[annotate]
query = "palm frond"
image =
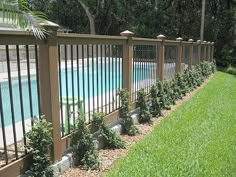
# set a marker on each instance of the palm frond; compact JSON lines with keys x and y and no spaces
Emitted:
{"x":18,"y":13}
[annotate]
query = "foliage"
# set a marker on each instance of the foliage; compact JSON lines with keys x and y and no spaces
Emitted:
{"x":18,"y":13}
{"x":111,"y":138}
{"x":83,"y":147}
{"x":40,"y":137}
{"x":155,"y":101}
{"x":229,"y":70}
{"x":168,"y":92}
{"x":162,"y":96}
{"x":128,"y":122}
{"x":198,"y":132}
{"x":144,"y":114}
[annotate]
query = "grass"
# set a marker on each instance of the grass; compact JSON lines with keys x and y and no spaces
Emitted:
{"x":229,"y":70}
{"x":198,"y":139}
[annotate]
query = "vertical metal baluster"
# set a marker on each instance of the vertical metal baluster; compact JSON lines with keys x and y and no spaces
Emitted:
{"x":3,"y":126}
{"x":67,"y":94}
{"x":113,"y":79}
{"x":136,"y":72}
{"x":101,"y":80}
{"x":148,"y":67}
{"x":60,"y":85}
{"x":11,"y":100}
{"x":97,"y":75}
{"x":78,"y":79}
{"x":72,"y":79}
{"x":120,"y":53}
{"x":20,"y":93}
{"x":88,"y":81}
{"x":37,"y":76}
{"x":109,"y":77}
{"x":29,"y":83}
{"x":93,"y":80}
{"x":133,"y":77}
{"x":116,"y":75}
{"x":143,"y":69}
{"x":138,"y":68}
{"x":105,"y":78}
{"x":83,"y":80}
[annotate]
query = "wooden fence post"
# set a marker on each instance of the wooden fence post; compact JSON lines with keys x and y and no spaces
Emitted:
{"x":209,"y":51}
{"x":199,"y":51}
{"x":48,"y":81}
{"x":161,"y":57}
{"x":212,"y":51}
{"x":127,"y":62}
{"x":190,"y":53}
{"x":178,"y":55}
{"x":205,"y":48}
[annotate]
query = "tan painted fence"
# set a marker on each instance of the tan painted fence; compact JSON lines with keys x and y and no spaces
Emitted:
{"x":71,"y":73}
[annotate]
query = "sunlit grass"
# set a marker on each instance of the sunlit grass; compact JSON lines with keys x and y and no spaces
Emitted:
{"x":198,"y":139}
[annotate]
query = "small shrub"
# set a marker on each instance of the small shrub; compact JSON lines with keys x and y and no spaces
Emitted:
{"x":213,"y":67}
{"x":144,"y":114}
{"x":161,"y":95}
{"x":40,"y":137}
{"x":176,"y":94}
{"x":168,"y":90}
{"x":155,"y":102}
{"x":181,"y":84}
{"x":199,"y":78}
{"x":110,"y":137}
{"x":83,"y":148}
{"x":128,"y":122}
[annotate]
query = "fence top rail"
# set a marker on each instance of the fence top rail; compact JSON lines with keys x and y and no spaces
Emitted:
{"x":9,"y":37}
{"x":71,"y":38}
{"x":16,"y":32}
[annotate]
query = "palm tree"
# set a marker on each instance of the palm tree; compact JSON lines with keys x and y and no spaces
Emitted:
{"x":18,"y":13}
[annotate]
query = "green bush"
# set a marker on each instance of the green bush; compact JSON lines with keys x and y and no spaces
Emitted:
{"x":128,"y":122}
{"x":83,"y":147}
{"x":111,"y":138}
{"x":144,"y":114}
{"x":40,"y":138}
{"x":155,"y":102}
{"x":181,"y":84}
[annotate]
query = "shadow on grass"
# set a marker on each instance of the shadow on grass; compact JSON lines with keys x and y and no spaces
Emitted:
{"x":229,"y":70}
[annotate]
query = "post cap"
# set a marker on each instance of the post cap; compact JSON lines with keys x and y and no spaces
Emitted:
{"x":179,"y":39}
{"x":50,"y":25}
{"x":204,"y":42}
{"x":199,"y":41}
{"x":212,"y":43}
{"x":190,"y":40}
{"x":126,"y":33}
{"x":209,"y":42}
{"x":161,"y":37}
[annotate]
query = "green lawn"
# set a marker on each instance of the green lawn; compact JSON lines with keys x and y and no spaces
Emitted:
{"x":198,"y":139}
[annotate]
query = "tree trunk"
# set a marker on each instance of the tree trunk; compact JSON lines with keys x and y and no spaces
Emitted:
{"x":203,"y":19}
{"x":90,"y":16}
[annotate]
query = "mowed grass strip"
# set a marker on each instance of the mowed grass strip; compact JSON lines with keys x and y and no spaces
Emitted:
{"x":198,"y":139}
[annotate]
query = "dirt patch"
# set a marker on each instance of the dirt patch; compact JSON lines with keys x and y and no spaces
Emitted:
{"x":109,"y":156}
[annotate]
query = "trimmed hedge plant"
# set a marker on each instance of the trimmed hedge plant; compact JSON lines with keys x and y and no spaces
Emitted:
{"x":83,"y":147}
{"x":40,"y":138}
{"x":112,"y":140}
{"x":128,"y":122}
{"x":144,"y":115}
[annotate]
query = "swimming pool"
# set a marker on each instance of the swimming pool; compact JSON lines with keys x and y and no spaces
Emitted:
{"x":87,"y":82}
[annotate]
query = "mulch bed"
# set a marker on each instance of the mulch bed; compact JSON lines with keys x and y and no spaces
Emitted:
{"x":109,"y":156}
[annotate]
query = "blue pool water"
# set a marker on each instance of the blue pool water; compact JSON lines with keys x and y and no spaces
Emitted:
{"x":93,"y":76}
